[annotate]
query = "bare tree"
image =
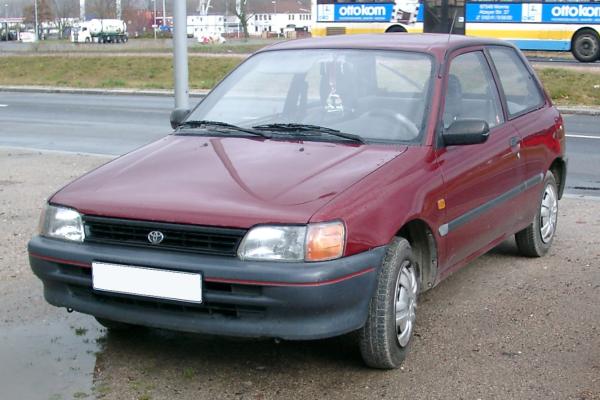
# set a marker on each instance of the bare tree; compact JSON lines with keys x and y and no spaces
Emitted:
{"x":240,"y":10}
{"x":44,"y":12}
{"x":101,"y":8}
{"x":63,"y":10}
{"x":204,"y":6}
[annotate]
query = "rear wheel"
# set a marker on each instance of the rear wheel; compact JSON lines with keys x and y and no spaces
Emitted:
{"x":586,"y":46}
{"x":536,"y":239}
{"x":387,"y":334}
{"x":395,"y":29}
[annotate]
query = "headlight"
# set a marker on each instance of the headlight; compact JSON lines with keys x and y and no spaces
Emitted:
{"x":62,"y":223}
{"x":314,"y":242}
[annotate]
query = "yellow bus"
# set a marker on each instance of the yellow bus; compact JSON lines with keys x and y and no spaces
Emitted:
{"x":532,"y":25}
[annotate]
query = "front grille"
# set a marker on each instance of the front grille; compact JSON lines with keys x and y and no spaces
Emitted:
{"x":180,"y":237}
{"x":143,"y":303}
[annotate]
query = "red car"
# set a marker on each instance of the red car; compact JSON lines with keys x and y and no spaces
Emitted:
{"x":316,"y":191}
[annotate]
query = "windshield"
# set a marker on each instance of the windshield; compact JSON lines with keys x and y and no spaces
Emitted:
{"x":377,"y":95}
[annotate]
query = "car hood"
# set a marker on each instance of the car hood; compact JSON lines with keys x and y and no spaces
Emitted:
{"x":236,"y":182}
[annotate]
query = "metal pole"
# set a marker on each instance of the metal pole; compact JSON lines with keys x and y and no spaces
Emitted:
{"x":119,"y":9}
{"x":180,"y":57}
{"x":37,"y":29}
{"x":154,"y":23}
{"x":6,"y":18}
{"x":164,"y":18}
{"x":82,"y":10}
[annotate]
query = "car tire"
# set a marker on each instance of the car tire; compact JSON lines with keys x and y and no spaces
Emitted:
{"x":115,"y":325}
{"x":536,"y":239}
{"x":383,"y":341}
{"x":586,"y":46}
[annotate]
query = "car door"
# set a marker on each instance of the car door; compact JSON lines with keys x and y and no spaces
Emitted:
{"x":536,"y":123}
{"x":480,"y":179}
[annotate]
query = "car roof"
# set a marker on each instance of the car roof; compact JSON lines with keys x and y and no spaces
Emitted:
{"x":435,"y":43}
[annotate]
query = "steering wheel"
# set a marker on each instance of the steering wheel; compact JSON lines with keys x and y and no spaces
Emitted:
{"x":397,"y":118}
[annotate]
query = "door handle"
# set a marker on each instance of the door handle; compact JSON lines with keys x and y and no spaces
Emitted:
{"x":515,"y":141}
{"x":515,"y":145}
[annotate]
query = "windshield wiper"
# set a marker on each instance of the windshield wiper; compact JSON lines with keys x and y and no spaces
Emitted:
{"x":300,"y":128}
{"x":223,"y":125}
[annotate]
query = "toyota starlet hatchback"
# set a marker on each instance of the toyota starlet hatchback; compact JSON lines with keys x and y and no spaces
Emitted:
{"x":316,"y":191}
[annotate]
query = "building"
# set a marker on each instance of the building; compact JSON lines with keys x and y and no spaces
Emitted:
{"x":198,"y":25}
{"x":267,"y":18}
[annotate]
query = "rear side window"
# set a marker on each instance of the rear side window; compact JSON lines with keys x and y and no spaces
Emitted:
{"x":521,"y":91}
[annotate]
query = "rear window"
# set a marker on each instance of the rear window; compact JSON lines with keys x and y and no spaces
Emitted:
{"x":521,"y":91}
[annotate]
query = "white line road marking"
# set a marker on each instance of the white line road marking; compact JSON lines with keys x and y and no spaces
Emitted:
{"x":583,"y":136}
{"x":50,"y":151}
{"x":3,"y":105}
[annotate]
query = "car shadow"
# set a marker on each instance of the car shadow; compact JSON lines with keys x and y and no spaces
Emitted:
{"x":234,"y":366}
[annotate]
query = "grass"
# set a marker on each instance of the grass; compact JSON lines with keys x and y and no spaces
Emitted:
{"x":110,"y":72}
{"x":566,"y":86}
{"x":241,"y":48}
{"x":233,"y":46}
{"x":570,"y":87}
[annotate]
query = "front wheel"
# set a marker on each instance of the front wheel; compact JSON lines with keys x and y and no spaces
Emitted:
{"x":386,"y":336}
{"x":536,"y":239}
{"x":586,"y":46}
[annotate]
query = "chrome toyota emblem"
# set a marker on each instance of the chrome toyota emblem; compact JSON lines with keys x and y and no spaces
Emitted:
{"x":155,"y":237}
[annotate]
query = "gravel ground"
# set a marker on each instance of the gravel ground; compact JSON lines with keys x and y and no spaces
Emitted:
{"x":503,"y":327}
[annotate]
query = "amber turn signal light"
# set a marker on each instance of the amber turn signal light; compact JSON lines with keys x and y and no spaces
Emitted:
{"x":325,"y":241}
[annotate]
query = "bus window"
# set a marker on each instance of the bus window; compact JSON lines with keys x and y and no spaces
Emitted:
{"x":441,"y":15}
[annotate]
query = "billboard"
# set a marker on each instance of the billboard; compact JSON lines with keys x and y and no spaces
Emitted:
{"x":355,"y":12}
{"x":561,"y":13}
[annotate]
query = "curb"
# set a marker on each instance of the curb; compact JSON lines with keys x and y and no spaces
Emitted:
{"x":579,"y":110}
{"x":122,"y":92}
{"x":576,"y":110}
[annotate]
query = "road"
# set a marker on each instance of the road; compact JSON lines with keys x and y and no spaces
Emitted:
{"x":504,"y":327}
{"x":116,"y":124}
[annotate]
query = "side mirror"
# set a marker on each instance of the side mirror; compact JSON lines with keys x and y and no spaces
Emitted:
{"x":466,"y":131}
{"x":178,"y":115}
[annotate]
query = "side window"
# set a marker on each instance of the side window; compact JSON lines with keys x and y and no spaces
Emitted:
{"x":520,"y":89}
{"x":471,"y":91}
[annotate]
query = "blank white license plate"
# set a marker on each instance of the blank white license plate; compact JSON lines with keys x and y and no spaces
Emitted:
{"x":149,"y":282}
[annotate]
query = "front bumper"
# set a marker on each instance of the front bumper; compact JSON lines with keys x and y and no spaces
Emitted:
{"x":291,"y":301}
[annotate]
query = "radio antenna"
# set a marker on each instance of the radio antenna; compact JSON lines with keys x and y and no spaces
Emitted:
{"x":452,"y":25}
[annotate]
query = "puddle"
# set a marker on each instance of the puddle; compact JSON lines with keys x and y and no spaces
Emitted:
{"x":49,"y":359}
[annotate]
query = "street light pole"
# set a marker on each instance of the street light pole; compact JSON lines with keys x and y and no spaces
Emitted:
{"x":6,"y":18}
{"x":37,"y":29}
{"x":119,"y":9}
{"x":154,"y":22}
{"x":180,"y":57}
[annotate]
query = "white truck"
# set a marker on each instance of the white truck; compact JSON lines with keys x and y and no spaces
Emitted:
{"x":100,"y":31}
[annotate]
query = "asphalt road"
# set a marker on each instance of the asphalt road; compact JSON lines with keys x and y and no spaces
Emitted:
{"x":116,"y":124}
